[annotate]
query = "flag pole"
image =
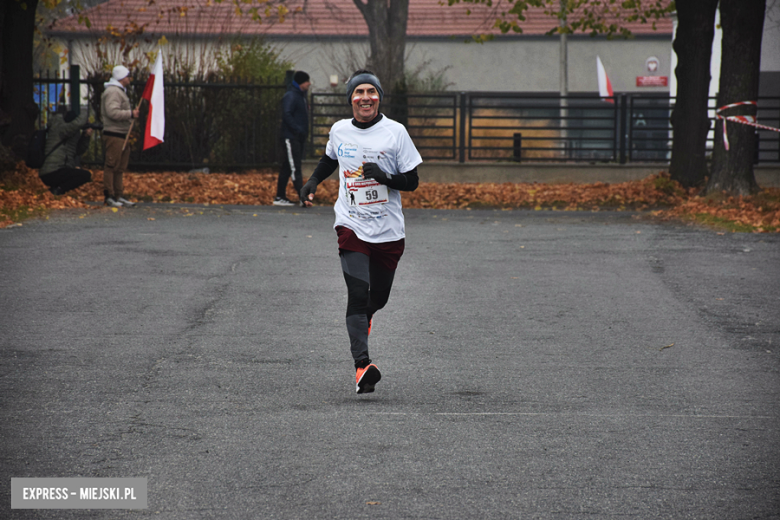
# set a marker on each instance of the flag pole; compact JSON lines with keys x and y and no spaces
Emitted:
{"x":124,"y":145}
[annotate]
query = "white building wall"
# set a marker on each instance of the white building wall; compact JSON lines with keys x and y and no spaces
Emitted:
{"x":521,"y":65}
{"x":770,"y":43}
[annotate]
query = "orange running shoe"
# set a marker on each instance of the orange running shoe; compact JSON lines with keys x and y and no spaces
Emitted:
{"x":370,"y":322}
{"x":366,"y":378}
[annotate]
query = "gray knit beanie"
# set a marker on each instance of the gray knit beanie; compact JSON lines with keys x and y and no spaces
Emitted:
{"x":359,"y":79}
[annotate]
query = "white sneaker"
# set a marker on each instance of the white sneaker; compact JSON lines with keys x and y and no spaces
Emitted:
{"x":125,"y":202}
{"x":111,"y":203}
{"x":278,"y":201}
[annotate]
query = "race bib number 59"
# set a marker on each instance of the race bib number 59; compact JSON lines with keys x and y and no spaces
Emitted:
{"x":364,"y":192}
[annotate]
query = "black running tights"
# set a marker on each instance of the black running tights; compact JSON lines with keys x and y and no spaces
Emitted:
{"x":368,"y":288}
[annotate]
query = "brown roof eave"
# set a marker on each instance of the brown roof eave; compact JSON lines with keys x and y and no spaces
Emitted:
{"x":529,"y":37}
{"x":73,"y":35}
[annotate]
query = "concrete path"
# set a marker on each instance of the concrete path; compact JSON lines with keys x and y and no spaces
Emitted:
{"x":535,"y":365}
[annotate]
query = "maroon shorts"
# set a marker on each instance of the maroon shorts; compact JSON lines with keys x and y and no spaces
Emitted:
{"x":385,"y":254}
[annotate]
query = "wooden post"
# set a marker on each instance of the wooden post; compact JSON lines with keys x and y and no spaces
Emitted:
{"x":124,"y":145}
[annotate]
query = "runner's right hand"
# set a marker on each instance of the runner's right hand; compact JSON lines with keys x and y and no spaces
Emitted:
{"x":308,"y":191}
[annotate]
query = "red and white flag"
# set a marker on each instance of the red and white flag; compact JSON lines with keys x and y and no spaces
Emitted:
{"x":605,"y":87}
{"x":153,"y":92}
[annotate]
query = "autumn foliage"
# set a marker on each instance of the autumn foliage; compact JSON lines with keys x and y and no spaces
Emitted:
{"x":23,"y":194}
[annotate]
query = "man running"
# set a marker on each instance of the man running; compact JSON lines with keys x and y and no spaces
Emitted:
{"x":376,"y":160}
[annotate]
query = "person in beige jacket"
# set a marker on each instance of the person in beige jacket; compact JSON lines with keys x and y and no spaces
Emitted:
{"x":117,"y":115}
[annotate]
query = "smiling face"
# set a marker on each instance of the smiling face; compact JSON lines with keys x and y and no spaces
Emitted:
{"x":365,"y":102}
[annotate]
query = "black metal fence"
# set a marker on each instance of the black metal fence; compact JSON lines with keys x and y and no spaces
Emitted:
{"x":207,"y":125}
{"x":235,"y":125}
{"x":431,"y":120}
{"x":477,"y":126}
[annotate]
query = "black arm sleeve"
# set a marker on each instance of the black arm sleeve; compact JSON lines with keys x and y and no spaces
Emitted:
{"x":324,"y":168}
{"x":407,"y":181}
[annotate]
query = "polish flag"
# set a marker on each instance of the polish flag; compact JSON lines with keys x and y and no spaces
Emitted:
{"x":153,"y":92}
{"x":605,"y":87}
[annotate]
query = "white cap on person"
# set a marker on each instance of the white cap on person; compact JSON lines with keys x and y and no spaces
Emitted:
{"x":120,"y":72}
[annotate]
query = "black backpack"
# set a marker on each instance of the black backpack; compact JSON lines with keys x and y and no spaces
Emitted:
{"x":36,"y":150}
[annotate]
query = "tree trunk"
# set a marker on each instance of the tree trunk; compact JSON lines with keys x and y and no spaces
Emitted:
{"x":743,"y":23}
{"x":693,"y":46}
{"x":17,"y":106}
{"x":386,"y":20}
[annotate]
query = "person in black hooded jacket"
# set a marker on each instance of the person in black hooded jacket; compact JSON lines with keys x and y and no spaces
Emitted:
{"x":295,"y":130}
{"x":66,"y":141}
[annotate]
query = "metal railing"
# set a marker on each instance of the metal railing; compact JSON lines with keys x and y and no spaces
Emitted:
{"x":216,"y":125}
{"x":430,"y":119}
{"x":235,"y":125}
{"x":524,"y":127}
{"x":510,"y":126}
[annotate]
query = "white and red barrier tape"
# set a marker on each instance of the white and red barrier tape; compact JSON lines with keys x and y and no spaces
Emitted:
{"x":744,"y":120}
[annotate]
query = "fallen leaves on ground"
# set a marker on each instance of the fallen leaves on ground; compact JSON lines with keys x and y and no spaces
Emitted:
{"x":569,"y":197}
{"x":756,"y":214}
{"x":22,"y":194}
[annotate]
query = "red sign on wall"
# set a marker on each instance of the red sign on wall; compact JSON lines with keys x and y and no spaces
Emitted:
{"x":652,"y":81}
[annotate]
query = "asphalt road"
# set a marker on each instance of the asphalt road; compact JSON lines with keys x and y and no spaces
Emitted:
{"x":542,"y":365}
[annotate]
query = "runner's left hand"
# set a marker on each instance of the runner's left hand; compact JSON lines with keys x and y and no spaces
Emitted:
{"x":373,"y":171}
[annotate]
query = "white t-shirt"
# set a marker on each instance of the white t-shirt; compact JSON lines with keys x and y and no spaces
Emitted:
{"x":372,"y":210}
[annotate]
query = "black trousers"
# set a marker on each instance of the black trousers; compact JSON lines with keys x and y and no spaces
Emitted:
{"x":66,"y":179}
{"x":292,"y":154}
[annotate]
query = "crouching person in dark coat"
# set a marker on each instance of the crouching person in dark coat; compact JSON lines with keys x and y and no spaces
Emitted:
{"x":65,"y":142}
